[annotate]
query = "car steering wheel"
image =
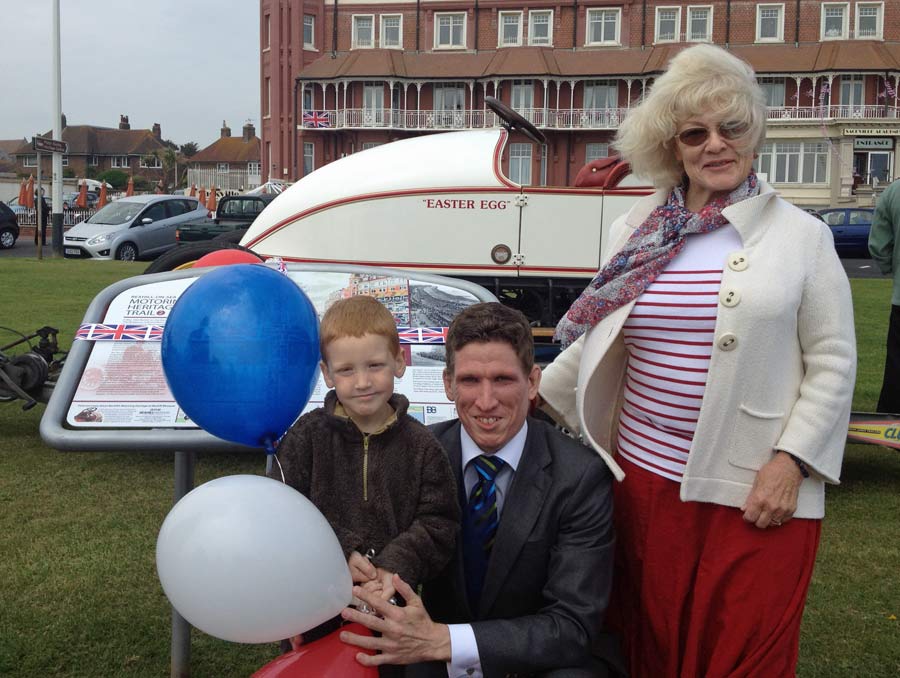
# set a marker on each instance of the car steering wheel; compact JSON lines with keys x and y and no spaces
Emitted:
{"x":515,"y":121}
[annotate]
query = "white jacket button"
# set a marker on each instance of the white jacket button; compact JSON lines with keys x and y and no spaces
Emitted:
{"x":737,"y":262}
{"x":729,"y":297}
{"x":727,"y":342}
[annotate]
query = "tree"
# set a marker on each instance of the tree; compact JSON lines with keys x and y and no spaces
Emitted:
{"x":169,"y":162}
{"x":189,"y":149}
{"x":115,"y":178}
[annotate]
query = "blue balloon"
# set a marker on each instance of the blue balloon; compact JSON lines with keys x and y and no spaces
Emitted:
{"x":240,"y":352}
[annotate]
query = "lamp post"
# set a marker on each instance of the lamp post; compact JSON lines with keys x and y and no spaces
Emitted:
{"x":57,"y":173}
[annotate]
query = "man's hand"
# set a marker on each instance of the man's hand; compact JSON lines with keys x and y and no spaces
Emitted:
{"x":773,"y":497}
{"x":361,"y":569}
{"x":387,"y":583}
{"x":408,"y":635}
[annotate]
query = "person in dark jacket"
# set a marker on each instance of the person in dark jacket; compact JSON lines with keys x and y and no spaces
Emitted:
{"x":378,"y":475}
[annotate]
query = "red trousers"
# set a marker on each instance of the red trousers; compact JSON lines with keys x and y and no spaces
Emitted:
{"x":698,"y":592}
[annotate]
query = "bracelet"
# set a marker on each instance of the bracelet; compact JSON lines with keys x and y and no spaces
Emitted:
{"x":804,"y":471}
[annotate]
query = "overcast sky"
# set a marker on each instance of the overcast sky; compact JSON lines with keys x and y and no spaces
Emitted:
{"x":186,"y":64}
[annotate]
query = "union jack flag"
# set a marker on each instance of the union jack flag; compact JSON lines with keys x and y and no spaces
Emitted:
{"x":98,"y":332}
{"x":316,"y":119}
{"x":422,"y":335}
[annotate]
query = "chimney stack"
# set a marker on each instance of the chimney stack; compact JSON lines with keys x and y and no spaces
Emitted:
{"x":249,"y":131}
{"x":123,"y":122}
{"x":225,"y":131}
{"x":157,"y":130}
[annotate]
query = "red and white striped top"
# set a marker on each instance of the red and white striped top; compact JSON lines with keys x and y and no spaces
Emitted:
{"x":669,"y":336}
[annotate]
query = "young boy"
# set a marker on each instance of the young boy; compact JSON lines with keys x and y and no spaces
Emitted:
{"x":378,"y":476}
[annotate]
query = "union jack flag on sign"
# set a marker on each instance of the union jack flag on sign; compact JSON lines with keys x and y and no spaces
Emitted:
{"x":316,"y":119}
{"x":422,"y":335}
{"x":98,"y":332}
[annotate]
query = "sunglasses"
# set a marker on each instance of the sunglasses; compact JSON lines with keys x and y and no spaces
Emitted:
{"x":694,"y":136}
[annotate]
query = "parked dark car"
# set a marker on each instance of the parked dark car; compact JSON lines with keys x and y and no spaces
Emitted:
{"x":850,"y":227}
{"x":9,"y":227}
{"x":69,"y":200}
{"x":234,"y":215}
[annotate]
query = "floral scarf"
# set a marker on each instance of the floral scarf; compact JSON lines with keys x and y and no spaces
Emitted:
{"x":646,"y":254}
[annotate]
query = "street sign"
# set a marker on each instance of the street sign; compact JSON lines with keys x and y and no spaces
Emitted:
{"x":45,"y":145}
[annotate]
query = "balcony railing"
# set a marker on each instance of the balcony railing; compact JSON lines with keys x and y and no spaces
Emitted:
{"x":233,"y":180}
{"x":547,"y":118}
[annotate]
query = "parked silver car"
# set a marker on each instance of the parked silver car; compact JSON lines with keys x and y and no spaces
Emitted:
{"x":131,"y":228}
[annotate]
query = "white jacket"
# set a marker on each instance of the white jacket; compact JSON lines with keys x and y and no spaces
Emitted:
{"x":782,"y":369}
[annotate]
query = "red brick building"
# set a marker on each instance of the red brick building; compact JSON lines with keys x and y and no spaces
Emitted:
{"x":137,"y":152}
{"x":336,"y":82}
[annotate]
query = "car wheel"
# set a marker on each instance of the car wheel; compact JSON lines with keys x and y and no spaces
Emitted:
{"x":184,"y":256}
{"x":7,"y":238}
{"x":127,"y":252}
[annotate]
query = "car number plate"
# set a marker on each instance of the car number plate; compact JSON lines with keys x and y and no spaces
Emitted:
{"x":73,"y":250}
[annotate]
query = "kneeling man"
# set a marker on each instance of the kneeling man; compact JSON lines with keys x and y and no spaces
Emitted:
{"x":527,"y":588}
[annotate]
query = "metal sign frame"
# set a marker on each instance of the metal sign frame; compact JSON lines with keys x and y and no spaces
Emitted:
{"x":183,"y":442}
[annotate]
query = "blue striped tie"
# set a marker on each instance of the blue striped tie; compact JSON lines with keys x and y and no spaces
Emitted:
{"x":480,"y":524}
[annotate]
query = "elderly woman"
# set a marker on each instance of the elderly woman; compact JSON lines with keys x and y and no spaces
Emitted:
{"x":711,"y":364}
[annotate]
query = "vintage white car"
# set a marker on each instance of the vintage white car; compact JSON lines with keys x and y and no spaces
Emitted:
{"x":441,"y":204}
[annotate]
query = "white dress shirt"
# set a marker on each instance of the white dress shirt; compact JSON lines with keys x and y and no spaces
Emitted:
{"x":464,"y":660}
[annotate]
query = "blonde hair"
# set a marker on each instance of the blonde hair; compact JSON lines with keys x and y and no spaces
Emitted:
{"x":355,"y":317}
{"x":698,"y":80}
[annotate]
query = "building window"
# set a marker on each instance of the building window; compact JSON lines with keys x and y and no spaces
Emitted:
{"x":93,"y":160}
{"x":522,"y":95}
{"x":373,"y":103}
{"x":510,"y":29}
{"x":309,"y":157}
{"x":449,"y":30}
{"x":539,"y":27}
{"x":267,"y":99}
{"x":868,"y":20}
{"x":603,"y":26}
{"x":794,"y":162}
{"x":370,"y":144}
{"x":30,"y":161}
{"x":769,"y":23}
{"x":119,"y":161}
{"x":852,"y":91}
{"x":520,"y":163}
{"x":150,"y":162}
{"x":668,"y":21}
{"x":307,"y":97}
{"x":254,"y":168}
{"x":65,"y":161}
{"x":595,"y":151}
{"x":449,"y":103}
{"x":363,"y":32}
{"x":222,"y":167}
{"x":267,"y":32}
{"x":700,"y":24}
{"x":599,"y":94}
{"x":773,"y":88}
{"x":391,"y":30}
{"x":309,"y":31}
{"x":834,"y":21}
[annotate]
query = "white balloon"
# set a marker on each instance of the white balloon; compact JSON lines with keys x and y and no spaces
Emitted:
{"x":251,"y":560}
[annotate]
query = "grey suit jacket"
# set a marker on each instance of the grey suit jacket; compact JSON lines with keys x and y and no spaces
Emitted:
{"x":549,"y":576}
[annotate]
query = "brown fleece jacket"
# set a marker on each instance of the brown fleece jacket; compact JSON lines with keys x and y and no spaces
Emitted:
{"x":392,"y":491}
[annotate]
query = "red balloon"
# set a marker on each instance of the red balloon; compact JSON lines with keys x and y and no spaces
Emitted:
{"x":327,"y":656}
{"x":224,"y":257}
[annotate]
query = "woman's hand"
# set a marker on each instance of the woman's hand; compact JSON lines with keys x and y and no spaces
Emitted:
{"x":773,"y":497}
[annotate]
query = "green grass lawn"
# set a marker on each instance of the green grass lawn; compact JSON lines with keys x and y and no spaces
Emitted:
{"x":79,"y":595}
